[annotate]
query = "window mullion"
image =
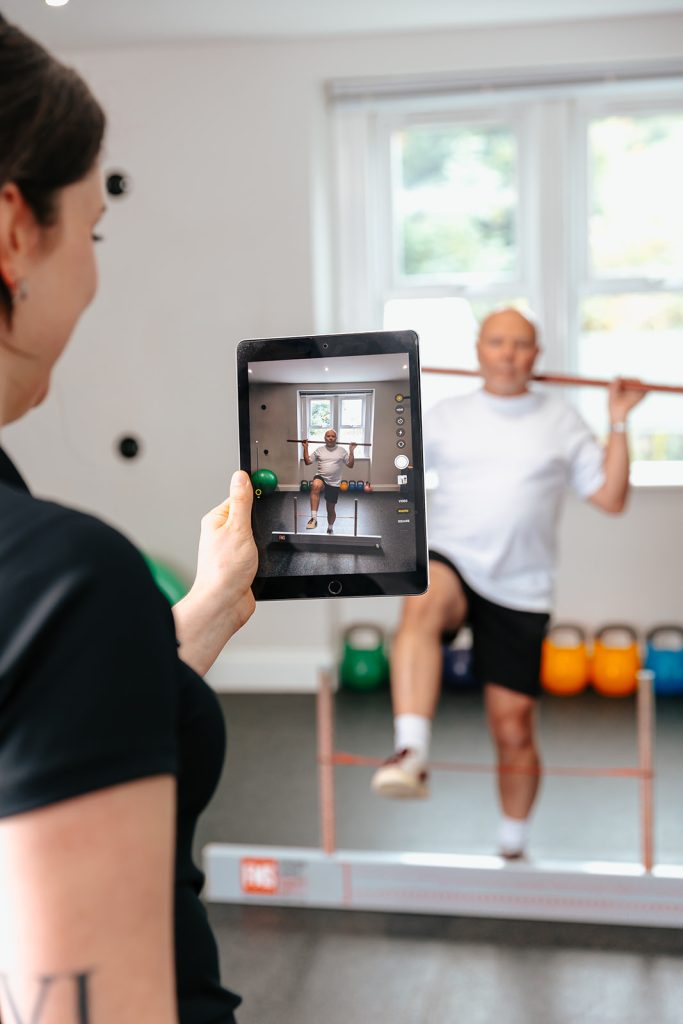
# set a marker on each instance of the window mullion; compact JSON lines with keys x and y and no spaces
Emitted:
{"x":554,"y":264}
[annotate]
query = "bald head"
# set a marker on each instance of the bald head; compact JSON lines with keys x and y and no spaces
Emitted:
{"x":508,"y":316}
{"x":507,"y":349}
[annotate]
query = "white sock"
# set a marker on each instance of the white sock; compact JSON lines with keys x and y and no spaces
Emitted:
{"x":513,"y":834}
{"x":413,"y":731}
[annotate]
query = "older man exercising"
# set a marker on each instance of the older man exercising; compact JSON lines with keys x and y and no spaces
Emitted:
{"x":330,"y":460}
{"x":505,"y":456}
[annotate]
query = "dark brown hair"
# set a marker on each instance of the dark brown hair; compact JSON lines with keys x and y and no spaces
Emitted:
{"x":51,"y":128}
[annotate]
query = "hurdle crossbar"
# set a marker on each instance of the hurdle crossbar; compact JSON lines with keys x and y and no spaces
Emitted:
{"x":598,"y":892}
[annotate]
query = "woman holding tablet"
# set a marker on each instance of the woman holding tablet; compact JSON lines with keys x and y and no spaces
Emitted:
{"x":110,"y":742}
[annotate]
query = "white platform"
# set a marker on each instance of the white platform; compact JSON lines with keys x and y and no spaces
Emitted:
{"x":595,"y":892}
{"x":269,"y":669}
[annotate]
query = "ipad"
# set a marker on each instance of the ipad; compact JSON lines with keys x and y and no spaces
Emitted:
{"x":331,"y":433}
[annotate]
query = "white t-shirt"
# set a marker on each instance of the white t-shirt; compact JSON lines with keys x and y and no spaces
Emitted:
{"x":504,"y":465}
{"x":329,"y":463}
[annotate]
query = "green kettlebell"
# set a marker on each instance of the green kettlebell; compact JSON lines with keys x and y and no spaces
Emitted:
{"x":364,"y":664}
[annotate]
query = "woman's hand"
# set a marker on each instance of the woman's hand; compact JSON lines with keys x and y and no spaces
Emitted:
{"x":220,"y":601}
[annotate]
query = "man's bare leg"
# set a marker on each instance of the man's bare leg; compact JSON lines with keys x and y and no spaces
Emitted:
{"x":416,"y":664}
{"x":317,"y":487}
{"x":331,"y":515}
{"x":511,"y":718}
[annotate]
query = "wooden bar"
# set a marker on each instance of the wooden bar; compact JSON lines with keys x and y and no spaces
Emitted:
{"x":646,"y":720}
{"x":325,"y":716}
{"x":358,"y":444}
{"x":568,"y":380}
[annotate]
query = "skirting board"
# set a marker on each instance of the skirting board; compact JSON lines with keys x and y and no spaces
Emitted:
{"x":269,"y":670}
{"x":420,"y":883}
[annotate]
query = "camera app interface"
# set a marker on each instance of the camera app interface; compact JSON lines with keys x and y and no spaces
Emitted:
{"x":332,"y":465}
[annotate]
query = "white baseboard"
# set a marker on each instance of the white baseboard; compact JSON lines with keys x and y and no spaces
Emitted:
{"x":275,"y":670}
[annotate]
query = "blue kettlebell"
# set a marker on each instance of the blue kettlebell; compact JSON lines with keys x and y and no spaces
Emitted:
{"x":664,"y":657}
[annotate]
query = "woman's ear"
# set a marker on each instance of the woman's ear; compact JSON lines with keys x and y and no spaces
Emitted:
{"x":18,"y":234}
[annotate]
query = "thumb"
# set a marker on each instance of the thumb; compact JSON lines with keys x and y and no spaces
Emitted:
{"x":237,"y":507}
{"x":240,"y":500}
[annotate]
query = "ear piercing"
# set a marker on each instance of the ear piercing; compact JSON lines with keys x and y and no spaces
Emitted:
{"x":20,"y":292}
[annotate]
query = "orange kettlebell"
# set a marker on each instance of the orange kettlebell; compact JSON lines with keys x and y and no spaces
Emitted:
{"x":564,"y":661}
{"x":616,"y":660}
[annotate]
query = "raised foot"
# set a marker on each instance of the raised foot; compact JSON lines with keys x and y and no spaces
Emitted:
{"x":402,"y":776}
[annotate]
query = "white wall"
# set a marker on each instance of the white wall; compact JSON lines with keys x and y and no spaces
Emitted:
{"x":226,"y":235}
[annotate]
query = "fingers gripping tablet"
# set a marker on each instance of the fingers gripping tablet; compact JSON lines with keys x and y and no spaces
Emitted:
{"x":331,"y":434}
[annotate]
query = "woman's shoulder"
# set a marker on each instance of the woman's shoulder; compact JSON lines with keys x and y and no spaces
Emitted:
{"x":45,"y":535}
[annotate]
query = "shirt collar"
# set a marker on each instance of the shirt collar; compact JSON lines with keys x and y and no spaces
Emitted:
{"x":9,"y":474}
{"x":511,"y":405}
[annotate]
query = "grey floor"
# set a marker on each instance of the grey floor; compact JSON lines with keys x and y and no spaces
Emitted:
{"x":323,"y":967}
{"x":377,"y":515}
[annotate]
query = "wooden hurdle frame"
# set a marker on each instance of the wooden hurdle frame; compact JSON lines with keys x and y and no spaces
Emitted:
{"x":643,"y":893}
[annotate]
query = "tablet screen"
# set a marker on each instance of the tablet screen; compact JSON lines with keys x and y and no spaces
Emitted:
{"x":330,"y":431}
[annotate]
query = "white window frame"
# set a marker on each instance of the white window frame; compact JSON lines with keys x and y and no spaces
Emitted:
{"x":593,"y":284}
{"x":305,"y":396}
{"x":551,"y":122}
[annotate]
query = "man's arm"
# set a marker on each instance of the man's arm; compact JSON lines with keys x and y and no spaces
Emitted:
{"x":611,"y":497}
{"x":349,"y":460}
{"x":307,"y":458}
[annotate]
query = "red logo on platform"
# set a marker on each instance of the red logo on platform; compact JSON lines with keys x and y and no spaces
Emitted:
{"x":259,"y":875}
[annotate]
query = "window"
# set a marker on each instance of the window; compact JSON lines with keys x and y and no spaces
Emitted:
{"x":347,"y":412}
{"x":561,"y":199}
{"x":631,"y":302}
{"x":455,"y":202}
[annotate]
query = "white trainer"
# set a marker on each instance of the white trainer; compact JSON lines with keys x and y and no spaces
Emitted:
{"x":312,"y":523}
{"x":402,"y":776}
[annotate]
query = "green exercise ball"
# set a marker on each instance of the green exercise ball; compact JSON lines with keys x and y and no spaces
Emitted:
{"x":170,"y":585}
{"x":264,"y":481}
{"x":364,"y":664}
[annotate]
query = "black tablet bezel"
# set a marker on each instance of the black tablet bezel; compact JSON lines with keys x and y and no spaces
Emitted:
{"x":319,"y":347}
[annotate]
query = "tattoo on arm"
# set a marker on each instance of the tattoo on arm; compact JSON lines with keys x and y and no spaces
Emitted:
{"x":45,"y":983}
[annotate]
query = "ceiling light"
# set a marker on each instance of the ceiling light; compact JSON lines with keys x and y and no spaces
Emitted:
{"x":56,"y":3}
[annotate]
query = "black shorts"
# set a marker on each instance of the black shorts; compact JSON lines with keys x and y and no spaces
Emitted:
{"x":506,"y":642}
{"x":331,"y":492}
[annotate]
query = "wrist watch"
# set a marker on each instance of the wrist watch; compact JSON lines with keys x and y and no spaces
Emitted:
{"x":618,"y":427}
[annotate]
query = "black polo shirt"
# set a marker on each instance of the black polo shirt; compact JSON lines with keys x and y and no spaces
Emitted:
{"x":93,"y":693}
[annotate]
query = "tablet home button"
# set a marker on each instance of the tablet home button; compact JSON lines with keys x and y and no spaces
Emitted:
{"x":334,"y":587}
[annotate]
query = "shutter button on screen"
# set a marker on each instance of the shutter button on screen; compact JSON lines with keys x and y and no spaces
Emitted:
{"x":334,"y":587}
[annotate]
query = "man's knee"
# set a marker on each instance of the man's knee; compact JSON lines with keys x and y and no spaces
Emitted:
{"x":420,"y":614}
{"x":317,"y":486}
{"x":513,"y":732}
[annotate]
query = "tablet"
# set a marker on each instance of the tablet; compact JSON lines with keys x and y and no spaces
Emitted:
{"x":342,"y":515}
